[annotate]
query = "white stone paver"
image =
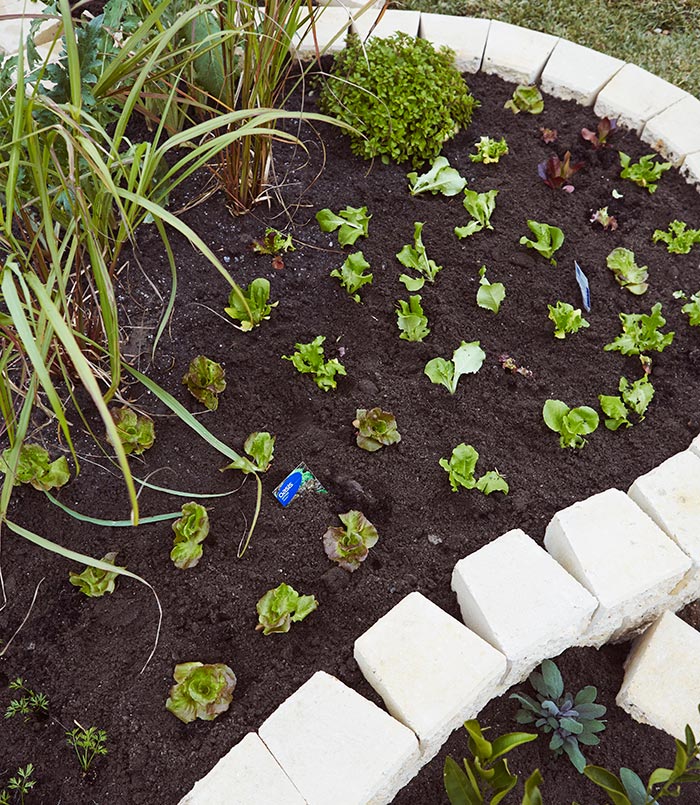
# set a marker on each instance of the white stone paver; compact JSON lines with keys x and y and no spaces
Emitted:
{"x":695,"y":444}
{"x":337,"y":747}
{"x":247,"y":775}
{"x":515,"y":595}
{"x":621,"y":556}
{"x":691,"y":170}
{"x":465,"y":35}
{"x":516,"y":54}
{"x":391,"y":22}
{"x":662,"y":681}
{"x":14,"y":31}
{"x":577,"y":73}
{"x":675,"y":132}
{"x":634,"y":95}
{"x":431,"y":671}
{"x":331,"y":25}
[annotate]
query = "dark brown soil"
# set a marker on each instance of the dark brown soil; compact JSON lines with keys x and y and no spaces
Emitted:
{"x":86,"y":654}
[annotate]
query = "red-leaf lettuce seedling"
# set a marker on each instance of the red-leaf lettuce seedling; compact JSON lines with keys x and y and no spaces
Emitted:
{"x":191,"y":529}
{"x":35,"y":468}
{"x":556,"y":173}
{"x":349,"y":544}
{"x":572,"y":424}
{"x":201,"y":691}
{"x":441,"y":178}
{"x":467,"y":359}
{"x":351,"y":223}
{"x":310,"y":359}
{"x":602,"y":216}
{"x":411,"y":320}
{"x":525,"y":99}
{"x":257,"y":296}
{"x":599,"y":138}
{"x":352,"y":274}
{"x":375,"y":429}
{"x":205,"y":381}
{"x":274,"y":243}
{"x":136,"y":431}
{"x":678,"y":239}
{"x":489,"y":150}
{"x":460,"y":469}
{"x":415,"y":257}
{"x":548,"y":135}
{"x":490,"y":294}
{"x":566,"y":319}
{"x":282,"y":606}
{"x":549,"y":239}
{"x":645,"y":173}
{"x":641,"y":334}
{"x":480,"y":206}
{"x":627,"y":273}
{"x":94,"y":582}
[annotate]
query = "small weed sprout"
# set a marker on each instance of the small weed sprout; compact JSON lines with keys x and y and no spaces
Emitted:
{"x":30,"y":703}
{"x":22,"y":783}
{"x":88,"y":744}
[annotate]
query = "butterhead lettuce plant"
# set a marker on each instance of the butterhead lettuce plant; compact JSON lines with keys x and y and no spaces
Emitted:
{"x":349,"y":544}
{"x":256,"y":296}
{"x":411,"y":320}
{"x":375,"y":429}
{"x":95,"y":582}
{"x":34,"y":467}
{"x":136,"y":431}
{"x":525,"y":99}
{"x":201,"y":691}
{"x":191,"y":529}
{"x":281,"y":607}
{"x":205,"y":381}
{"x":310,"y":359}
{"x":627,"y":273}
{"x":572,"y":424}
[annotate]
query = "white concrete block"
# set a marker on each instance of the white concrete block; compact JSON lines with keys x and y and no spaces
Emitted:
{"x":577,"y":73}
{"x":662,"y":682}
{"x":517,"y":597}
{"x":675,"y":132}
{"x":695,"y":444}
{"x":516,"y":54}
{"x":391,"y":22}
{"x":634,"y":95}
{"x":331,"y":26}
{"x":621,"y":556}
{"x":13,"y":31}
{"x":431,"y":671}
{"x":465,"y":35}
{"x":247,"y":775}
{"x":691,"y":170}
{"x":337,"y":747}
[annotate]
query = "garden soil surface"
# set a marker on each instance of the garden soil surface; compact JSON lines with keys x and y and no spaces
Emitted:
{"x":86,"y":654}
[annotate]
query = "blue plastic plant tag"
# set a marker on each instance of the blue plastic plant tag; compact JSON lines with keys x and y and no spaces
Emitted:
{"x":299,"y":480}
{"x":582,"y":280}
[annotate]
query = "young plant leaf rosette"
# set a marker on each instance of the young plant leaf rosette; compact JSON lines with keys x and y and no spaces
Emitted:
{"x":191,"y":529}
{"x":251,"y":306}
{"x":467,"y":359}
{"x":310,"y":359}
{"x":281,"y":607}
{"x":349,"y":544}
{"x":572,"y":424}
{"x":34,"y":467}
{"x":201,"y":691}
{"x":94,"y":582}
{"x":375,"y":429}
{"x":460,"y":469}
{"x":548,"y":240}
{"x":136,"y":431}
{"x":441,"y":178}
{"x":205,"y":381}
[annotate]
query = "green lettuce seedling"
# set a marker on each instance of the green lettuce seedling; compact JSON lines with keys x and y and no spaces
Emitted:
{"x":566,"y":319}
{"x":310,"y":359}
{"x":274,"y":242}
{"x":691,"y":308}
{"x":260,"y":446}
{"x":645,"y":173}
{"x":460,"y":469}
{"x":34,"y":467}
{"x":489,"y":150}
{"x":351,"y":223}
{"x":572,"y":424}
{"x":416,"y":257}
{"x":349,"y":544}
{"x":549,"y":239}
{"x":678,"y":239}
{"x":201,"y":691}
{"x":441,"y":178}
{"x":136,"y":431}
{"x":352,"y":274}
{"x":205,"y":381}
{"x":94,"y":582}
{"x":191,"y":529}
{"x":375,"y":429}
{"x":411,"y":320}
{"x":525,"y":99}
{"x":467,"y":359}
{"x":490,"y":294}
{"x":279,"y":608}
{"x":627,"y":273}
{"x":634,"y":398}
{"x":257,"y":295}
{"x":640,"y":333}
{"x":480,"y":206}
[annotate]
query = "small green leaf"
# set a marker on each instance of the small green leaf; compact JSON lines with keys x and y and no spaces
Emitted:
{"x":441,"y":178}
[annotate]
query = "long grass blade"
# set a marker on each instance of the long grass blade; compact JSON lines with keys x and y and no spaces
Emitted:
{"x":85,"y":518}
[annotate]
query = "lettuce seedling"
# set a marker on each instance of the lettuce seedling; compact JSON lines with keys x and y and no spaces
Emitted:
{"x":678,"y":239}
{"x":599,"y":138}
{"x":549,"y":239}
{"x":136,"y":431}
{"x":525,"y":99}
{"x":509,"y":365}
{"x":201,"y":691}
{"x":645,"y":173}
{"x":310,"y":359}
{"x":490,"y":294}
{"x":441,"y":178}
{"x":205,"y":381}
{"x":260,"y":446}
{"x":602,"y":216}
{"x":692,"y":309}
{"x":635,"y":398}
{"x":279,"y":608}
{"x":349,"y":544}
{"x":556,"y":173}
{"x":351,"y":223}
{"x":94,"y":582}
{"x":627,"y":273}
{"x":489,"y":150}
{"x":375,"y":429}
{"x":416,"y":257}
{"x":352,"y":274}
{"x":273,"y":243}
{"x":467,"y":359}
{"x":480,"y":206}
{"x":548,"y":135}
{"x":34,"y":467}
{"x":411,"y":320}
{"x":191,"y":529}
{"x":257,"y":295}
{"x":460,"y":469}
{"x":640,"y":333}
{"x":572,"y":424}
{"x":566,"y":319}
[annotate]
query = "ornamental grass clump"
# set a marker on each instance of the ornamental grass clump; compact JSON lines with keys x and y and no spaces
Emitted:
{"x":201,"y":691}
{"x":349,"y":544}
{"x":403,"y":97}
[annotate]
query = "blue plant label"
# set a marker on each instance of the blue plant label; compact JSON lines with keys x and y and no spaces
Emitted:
{"x":582,"y":280}
{"x":299,"y":480}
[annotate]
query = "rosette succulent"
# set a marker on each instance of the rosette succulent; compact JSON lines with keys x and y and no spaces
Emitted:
{"x":201,"y":691}
{"x":375,"y":428}
{"x":349,"y":545}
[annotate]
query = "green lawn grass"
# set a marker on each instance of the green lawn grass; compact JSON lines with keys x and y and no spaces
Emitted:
{"x":662,"y":36}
